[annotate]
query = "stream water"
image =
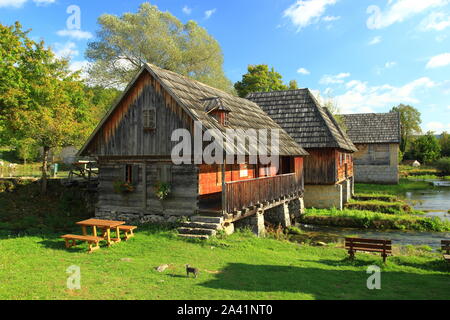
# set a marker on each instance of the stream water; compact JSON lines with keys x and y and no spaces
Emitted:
{"x":434,"y":201}
{"x":334,"y":234}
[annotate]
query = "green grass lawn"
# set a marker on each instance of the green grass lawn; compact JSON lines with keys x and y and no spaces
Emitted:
{"x":240,"y":266}
{"x":393,"y":189}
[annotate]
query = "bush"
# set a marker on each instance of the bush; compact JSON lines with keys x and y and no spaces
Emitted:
{"x":443,"y":165}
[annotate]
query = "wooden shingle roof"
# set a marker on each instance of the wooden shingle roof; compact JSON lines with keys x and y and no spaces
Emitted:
{"x":373,"y":127}
{"x":300,"y":114}
{"x":196,"y":99}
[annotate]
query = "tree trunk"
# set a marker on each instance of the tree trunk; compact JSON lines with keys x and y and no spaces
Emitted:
{"x":44,"y":170}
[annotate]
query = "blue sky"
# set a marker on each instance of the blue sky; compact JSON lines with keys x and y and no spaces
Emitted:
{"x":368,"y":55}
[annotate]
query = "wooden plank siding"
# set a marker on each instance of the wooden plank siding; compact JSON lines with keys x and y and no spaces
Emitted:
{"x":344,"y":164}
{"x":320,"y":166}
{"x":123,"y":133}
{"x":181,"y":201}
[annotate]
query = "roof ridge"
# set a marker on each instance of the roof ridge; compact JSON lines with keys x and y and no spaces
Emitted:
{"x":347,"y":142}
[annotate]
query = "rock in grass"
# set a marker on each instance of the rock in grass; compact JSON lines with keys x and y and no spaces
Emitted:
{"x":321,"y":244}
{"x":162,"y":267}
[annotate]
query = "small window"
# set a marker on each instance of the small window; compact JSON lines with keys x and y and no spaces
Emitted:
{"x":149,"y":119}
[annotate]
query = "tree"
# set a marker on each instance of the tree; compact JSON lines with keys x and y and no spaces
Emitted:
{"x":426,"y":148}
{"x":27,"y":149}
{"x":127,"y":42}
{"x":444,"y":141}
{"x":260,"y":79}
{"x":293,"y":85}
{"x":100,"y":100}
{"x":46,"y":102}
{"x":410,"y":123}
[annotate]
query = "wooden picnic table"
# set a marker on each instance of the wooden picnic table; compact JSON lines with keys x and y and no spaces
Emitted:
{"x":105,"y":225}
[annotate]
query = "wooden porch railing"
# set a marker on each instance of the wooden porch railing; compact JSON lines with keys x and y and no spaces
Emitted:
{"x":242,"y":194}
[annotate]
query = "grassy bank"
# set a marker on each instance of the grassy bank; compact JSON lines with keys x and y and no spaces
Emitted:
{"x":374,"y":220}
{"x":400,"y":189}
{"x":24,"y":210}
{"x":240,"y":266}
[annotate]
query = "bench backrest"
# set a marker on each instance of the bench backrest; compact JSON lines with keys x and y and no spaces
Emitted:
{"x":445,"y":246}
{"x":360,"y":243}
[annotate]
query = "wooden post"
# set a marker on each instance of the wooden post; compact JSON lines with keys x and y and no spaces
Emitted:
{"x":224,"y":187}
{"x":144,"y":177}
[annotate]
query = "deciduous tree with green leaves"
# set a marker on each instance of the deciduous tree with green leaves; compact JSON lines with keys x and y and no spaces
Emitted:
{"x":124,"y":43}
{"x":425,"y":148}
{"x":444,"y":141}
{"x":410,"y":123}
{"x":259,"y":78}
{"x":40,"y":98}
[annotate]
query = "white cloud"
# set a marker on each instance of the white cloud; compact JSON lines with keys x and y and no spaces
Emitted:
{"x":436,"y":21}
{"x":361,"y":97}
{"x":334,"y":79}
{"x":398,"y":11}
{"x":66,"y":50}
{"x":187,"y":10}
{"x":76,"y":34}
{"x":43,"y":2}
{"x":390,"y":64}
{"x":441,"y":60}
{"x":331,"y":18}
{"x":436,"y":126}
{"x":80,"y":66}
{"x":303,"y":71}
{"x":12,"y":3}
{"x":209,"y":13}
{"x":375,"y":40}
{"x":306,"y":12}
{"x":20,"y":3}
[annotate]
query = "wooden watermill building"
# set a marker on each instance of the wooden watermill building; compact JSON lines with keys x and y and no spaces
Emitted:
{"x":377,"y":138}
{"x":329,"y":168}
{"x":133,"y":145}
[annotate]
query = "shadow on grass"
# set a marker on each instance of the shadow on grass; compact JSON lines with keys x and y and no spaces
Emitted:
{"x":329,"y":283}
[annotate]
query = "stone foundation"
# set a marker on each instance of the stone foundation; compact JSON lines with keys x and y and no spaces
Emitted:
{"x":328,"y":196}
{"x":376,"y":174}
{"x":278,"y":215}
{"x":296,"y":208}
{"x":254,"y":222}
{"x":136,"y":216}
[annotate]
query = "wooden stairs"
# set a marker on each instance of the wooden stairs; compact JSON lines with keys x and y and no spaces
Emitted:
{"x":201,"y":226}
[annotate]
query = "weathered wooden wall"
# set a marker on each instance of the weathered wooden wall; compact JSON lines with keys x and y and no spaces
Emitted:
{"x":182,"y":200}
{"x":373,"y":154}
{"x":320,"y":166}
{"x":377,"y":163}
{"x":344,"y":164}
{"x":123,"y":133}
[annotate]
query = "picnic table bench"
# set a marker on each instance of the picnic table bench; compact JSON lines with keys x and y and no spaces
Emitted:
{"x":91,"y":240}
{"x":105,"y":226}
{"x":445,"y":246}
{"x":369,"y":245}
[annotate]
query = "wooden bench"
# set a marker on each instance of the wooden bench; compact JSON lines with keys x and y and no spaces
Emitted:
{"x":369,"y":245}
{"x":128,"y":230}
{"x":91,"y":241}
{"x":445,"y":247}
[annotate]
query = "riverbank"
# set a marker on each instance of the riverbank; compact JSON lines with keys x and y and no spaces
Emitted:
{"x":374,"y":220}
